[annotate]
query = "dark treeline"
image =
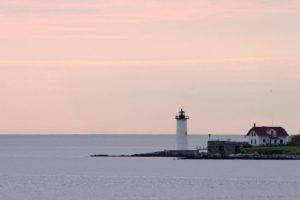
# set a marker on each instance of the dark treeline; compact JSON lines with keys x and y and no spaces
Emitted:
{"x":295,"y":140}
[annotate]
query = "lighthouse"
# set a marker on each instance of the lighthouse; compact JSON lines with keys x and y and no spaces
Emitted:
{"x":181,"y":132}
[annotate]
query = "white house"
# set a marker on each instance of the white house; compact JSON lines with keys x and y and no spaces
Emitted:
{"x":260,"y":136}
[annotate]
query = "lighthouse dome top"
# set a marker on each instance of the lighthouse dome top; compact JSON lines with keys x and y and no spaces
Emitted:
{"x":181,"y":115}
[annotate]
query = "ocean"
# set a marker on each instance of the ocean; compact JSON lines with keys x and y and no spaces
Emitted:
{"x":58,"y":167}
{"x":85,"y":145}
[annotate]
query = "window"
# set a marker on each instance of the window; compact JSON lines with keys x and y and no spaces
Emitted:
{"x":254,"y":141}
{"x":273,"y":133}
{"x":275,"y":141}
{"x":251,"y":141}
{"x":221,"y":149}
{"x":281,"y":141}
{"x":237,"y":149}
{"x":264,"y":140}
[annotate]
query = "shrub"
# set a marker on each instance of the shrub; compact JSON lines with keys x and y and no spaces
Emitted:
{"x":247,"y":145}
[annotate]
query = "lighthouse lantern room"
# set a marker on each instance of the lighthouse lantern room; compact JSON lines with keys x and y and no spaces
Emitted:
{"x":181,"y":132}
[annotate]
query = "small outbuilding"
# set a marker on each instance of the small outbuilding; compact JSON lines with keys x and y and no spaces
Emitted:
{"x":225,"y":147}
{"x":265,"y":135}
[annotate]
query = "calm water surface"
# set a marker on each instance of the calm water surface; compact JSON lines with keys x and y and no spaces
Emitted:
{"x":59,"y":168}
{"x":84,"y":145}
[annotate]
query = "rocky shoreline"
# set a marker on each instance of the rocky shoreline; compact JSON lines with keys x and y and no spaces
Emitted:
{"x":194,"y":154}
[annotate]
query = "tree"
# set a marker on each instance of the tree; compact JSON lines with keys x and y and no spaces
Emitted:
{"x":295,"y":140}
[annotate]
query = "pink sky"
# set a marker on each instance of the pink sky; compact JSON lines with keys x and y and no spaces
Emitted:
{"x":128,"y":66}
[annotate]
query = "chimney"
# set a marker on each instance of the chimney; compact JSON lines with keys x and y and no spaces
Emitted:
{"x":254,"y":125}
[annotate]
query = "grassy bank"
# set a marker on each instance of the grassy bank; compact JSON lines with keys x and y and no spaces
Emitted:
{"x":273,"y":150}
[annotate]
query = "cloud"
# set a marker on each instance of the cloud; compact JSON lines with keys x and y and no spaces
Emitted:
{"x":91,"y":18}
{"x":137,"y":64}
{"x":144,"y":10}
{"x":45,"y":7}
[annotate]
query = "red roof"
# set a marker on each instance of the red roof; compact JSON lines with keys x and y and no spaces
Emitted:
{"x":263,"y":131}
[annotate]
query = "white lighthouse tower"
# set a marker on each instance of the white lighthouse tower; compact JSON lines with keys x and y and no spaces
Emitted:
{"x":181,"y":132}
